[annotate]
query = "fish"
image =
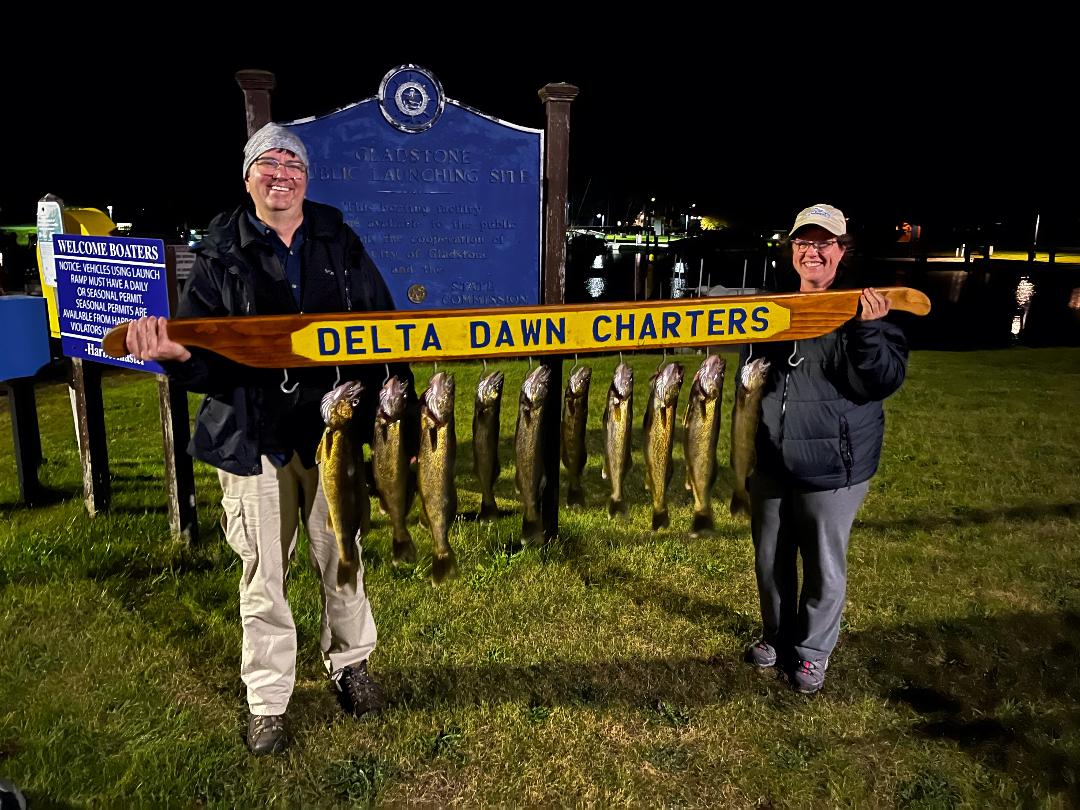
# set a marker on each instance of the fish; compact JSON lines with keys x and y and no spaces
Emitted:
{"x":575,"y":415}
{"x":390,"y":466}
{"x":435,"y":471}
{"x":659,"y":432}
{"x":485,"y":432}
{"x":618,"y":418}
{"x":341,"y":476}
{"x":701,"y":431}
{"x":528,"y":452}
{"x":745,"y":415}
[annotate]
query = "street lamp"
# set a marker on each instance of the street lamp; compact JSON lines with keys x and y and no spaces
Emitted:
{"x":601,"y":218}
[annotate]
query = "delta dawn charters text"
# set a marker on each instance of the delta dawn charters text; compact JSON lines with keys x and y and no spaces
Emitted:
{"x":477,"y":335}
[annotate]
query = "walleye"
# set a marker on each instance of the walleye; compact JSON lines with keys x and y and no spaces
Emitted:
{"x":528,"y":453}
{"x":390,"y":464}
{"x":618,"y":416}
{"x":575,"y":414}
{"x":438,"y":454}
{"x":659,"y":430}
{"x":744,"y":424}
{"x":341,"y":475}
{"x":701,"y":432}
{"x":485,"y":433}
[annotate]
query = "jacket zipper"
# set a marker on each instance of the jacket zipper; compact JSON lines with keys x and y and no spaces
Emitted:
{"x":783,"y":405}
{"x":845,"y":449}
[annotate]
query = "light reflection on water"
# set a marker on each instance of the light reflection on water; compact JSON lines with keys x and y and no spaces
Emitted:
{"x":1025,"y":291}
{"x":595,"y":286}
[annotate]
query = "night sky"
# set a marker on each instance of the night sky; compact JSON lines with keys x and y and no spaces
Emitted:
{"x":751,"y":123}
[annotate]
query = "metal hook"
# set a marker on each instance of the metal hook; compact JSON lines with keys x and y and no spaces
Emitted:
{"x":663,"y":359}
{"x":387,"y":377}
{"x":530,"y":362}
{"x":620,"y":358}
{"x":337,"y":376}
{"x":485,"y":366}
{"x":285,"y":382}
{"x":749,"y":352}
{"x":794,"y":351}
{"x":575,"y":364}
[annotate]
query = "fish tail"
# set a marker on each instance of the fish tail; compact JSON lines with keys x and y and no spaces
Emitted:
{"x":532,"y":531}
{"x":489,"y":510}
{"x":575,"y":496}
{"x":702,"y":524}
{"x":404,"y":548}
{"x":347,"y":572}
{"x":660,"y":520}
{"x":618,"y":509}
{"x":443,"y":566}
{"x":740,"y":504}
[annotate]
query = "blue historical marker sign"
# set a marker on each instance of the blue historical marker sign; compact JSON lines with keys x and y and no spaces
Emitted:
{"x":102,"y":281}
{"x":447,"y":200}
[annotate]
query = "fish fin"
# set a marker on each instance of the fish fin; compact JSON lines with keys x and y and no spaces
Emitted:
{"x":575,"y":496}
{"x":603,"y":468}
{"x":702,"y":525}
{"x":618,"y":509}
{"x":660,"y":520}
{"x":322,"y":452}
{"x":443,"y":567}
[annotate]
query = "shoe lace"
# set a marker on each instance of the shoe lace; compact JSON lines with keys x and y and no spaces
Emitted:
{"x":269,"y":723}
{"x":355,"y":680}
{"x":807,"y":667}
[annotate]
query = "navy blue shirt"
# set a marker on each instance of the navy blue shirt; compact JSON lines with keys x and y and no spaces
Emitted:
{"x":288,"y":257}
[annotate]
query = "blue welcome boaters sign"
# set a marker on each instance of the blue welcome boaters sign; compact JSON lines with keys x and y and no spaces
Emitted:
{"x":446,"y":200}
{"x":102,"y":281}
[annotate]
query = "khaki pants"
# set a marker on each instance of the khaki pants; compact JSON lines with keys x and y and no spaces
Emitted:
{"x":261,"y":519}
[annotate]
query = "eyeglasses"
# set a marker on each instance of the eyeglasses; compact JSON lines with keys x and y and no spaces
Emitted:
{"x":802,"y":245}
{"x":270,"y":165}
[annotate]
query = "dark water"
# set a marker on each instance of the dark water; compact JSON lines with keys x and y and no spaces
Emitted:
{"x":981,"y":304}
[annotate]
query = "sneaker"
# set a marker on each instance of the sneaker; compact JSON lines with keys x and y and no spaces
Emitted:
{"x":761,"y":654}
{"x":358,"y":691}
{"x":809,"y":676}
{"x":266,"y":734}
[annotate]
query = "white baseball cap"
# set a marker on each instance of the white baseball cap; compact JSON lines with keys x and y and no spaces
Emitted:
{"x":823,"y":215}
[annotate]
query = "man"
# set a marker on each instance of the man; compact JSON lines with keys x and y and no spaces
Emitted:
{"x":279,"y":254}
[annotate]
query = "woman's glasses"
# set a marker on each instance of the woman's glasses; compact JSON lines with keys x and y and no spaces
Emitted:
{"x":802,"y":245}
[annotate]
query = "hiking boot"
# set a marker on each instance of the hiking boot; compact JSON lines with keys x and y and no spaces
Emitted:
{"x":358,"y":691}
{"x":762,"y":655}
{"x":266,"y":734}
{"x":809,"y":676}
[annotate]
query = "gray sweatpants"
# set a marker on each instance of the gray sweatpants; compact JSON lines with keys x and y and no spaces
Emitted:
{"x":261,"y":520}
{"x":788,"y":522}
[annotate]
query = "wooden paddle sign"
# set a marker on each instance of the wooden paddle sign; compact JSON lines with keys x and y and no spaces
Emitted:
{"x":280,"y":341}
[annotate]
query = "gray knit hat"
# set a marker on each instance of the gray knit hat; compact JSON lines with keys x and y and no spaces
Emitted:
{"x":272,"y":136}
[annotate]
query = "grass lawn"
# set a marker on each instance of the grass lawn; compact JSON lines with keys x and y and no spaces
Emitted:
{"x":603,"y":669}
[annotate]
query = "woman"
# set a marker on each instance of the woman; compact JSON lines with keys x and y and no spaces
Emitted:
{"x":818,"y":444}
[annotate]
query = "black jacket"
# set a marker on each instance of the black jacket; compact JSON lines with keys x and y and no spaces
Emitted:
{"x":246,"y":413}
{"x":822,"y":423}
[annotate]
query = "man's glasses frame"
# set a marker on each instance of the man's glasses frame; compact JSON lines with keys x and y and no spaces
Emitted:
{"x":269,"y":165}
